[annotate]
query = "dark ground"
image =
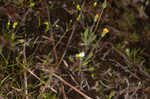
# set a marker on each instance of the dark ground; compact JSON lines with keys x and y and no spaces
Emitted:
{"x":40,"y":55}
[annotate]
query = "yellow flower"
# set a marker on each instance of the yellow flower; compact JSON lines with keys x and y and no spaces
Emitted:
{"x":47,"y":26}
{"x":78,"y":7}
{"x":78,"y":18}
{"x":15,"y":24}
{"x":105,"y":31}
{"x":57,"y":26}
{"x":94,"y":4}
{"x":96,"y":17}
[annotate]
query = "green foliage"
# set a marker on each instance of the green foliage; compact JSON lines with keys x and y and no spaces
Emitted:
{"x":85,"y":60}
{"x":47,"y":59}
{"x":104,"y":5}
{"x":20,"y":2}
{"x":32,"y":3}
{"x":3,"y":59}
{"x":111,"y":95}
{"x":49,"y":96}
{"x":147,"y":2}
{"x":134,"y":55}
{"x":134,"y":37}
{"x":88,"y":37}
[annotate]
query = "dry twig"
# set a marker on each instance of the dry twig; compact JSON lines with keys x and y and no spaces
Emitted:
{"x":68,"y":84}
{"x":25,"y":73}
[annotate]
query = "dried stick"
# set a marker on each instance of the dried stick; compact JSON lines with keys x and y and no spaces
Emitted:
{"x":68,"y":84}
{"x":25,"y":73}
{"x":39,"y":79}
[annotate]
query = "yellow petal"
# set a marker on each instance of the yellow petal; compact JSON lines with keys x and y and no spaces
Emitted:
{"x":96,"y":17}
{"x":105,"y":31}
